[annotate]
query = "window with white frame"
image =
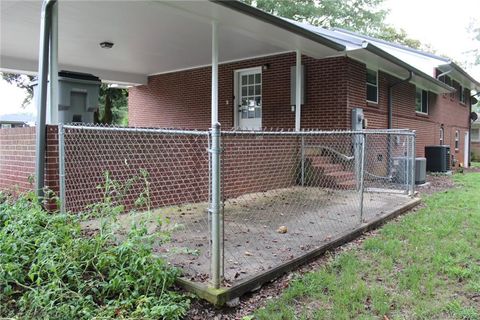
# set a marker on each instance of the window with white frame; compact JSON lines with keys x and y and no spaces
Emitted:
{"x":421,"y":100}
{"x":457,"y":139}
{"x":442,"y":135}
{"x":461,"y":95}
{"x":372,"y":86}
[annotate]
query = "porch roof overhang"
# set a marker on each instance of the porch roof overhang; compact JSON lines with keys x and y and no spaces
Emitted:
{"x":460,"y":75}
{"x":374,"y":55}
{"x":150,"y":37}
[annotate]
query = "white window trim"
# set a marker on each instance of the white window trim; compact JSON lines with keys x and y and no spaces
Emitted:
{"x":236,"y":118}
{"x":457,"y":140}
{"x":428,"y":107}
{"x":369,"y":84}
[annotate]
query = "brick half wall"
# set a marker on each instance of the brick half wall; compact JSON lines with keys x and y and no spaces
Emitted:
{"x":17,"y":159}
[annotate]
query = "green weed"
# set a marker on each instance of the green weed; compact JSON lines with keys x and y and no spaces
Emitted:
{"x":50,"y":270}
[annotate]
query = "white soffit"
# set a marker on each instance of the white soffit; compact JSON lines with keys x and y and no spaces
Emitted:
{"x":149,"y":37}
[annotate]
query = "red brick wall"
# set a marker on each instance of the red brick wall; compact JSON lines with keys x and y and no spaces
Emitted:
{"x":17,"y":159}
{"x":443,"y":110}
{"x":176,"y":168}
{"x":182,"y":99}
{"x":259,"y":163}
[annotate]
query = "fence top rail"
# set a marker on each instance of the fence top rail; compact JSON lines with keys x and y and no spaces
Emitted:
{"x":404,"y":132}
{"x":138,"y":130}
{"x":242,"y":132}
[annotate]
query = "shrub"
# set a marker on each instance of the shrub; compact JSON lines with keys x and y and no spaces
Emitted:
{"x":49,"y":269}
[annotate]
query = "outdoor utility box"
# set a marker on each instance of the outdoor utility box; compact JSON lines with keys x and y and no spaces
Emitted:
{"x":399,"y":172}
{"x":77,"y":96}
{"x":438,"y":158}
{"x":293,"y":85}
{"x":420,"y":170}
{"x":358,"y":119}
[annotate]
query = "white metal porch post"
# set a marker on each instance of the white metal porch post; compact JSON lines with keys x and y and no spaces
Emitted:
{"x":214,"y":73}
{"x":216,"y":223}
{"x":43,"y":69}
{"x":52,"y":107}
{"x":298,"y":90}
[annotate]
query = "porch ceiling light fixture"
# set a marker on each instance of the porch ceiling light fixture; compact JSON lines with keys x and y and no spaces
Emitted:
{"x":106,"y":44}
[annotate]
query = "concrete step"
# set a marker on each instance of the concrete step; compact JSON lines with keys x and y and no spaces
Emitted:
{"x":326,"y":168}
{"x":319,"y":160}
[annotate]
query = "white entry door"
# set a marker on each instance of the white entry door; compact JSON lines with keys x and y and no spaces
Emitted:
{"x":249,"y":99}
{"x":466,"y":150}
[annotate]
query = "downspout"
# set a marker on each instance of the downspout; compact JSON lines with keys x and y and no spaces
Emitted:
{"x":390,"y":118}
{"x":43,"y":57}
{"x":390,"y":99}
{"x":444,"y":73}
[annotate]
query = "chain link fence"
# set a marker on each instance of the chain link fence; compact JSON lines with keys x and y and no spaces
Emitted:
{"x":281,"y":194}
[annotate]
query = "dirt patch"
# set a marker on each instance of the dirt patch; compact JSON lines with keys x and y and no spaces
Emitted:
{"x":436,"y":183}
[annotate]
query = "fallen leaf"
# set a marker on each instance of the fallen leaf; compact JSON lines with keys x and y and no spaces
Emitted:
{"x":282,"y":229}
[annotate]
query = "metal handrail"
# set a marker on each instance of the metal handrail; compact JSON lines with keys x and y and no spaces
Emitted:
{"x":339,"y":154}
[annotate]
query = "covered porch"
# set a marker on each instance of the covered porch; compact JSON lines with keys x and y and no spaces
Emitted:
{"x":153,"y":38}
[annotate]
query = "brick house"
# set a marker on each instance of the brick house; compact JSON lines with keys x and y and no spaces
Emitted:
{"x":420,"y":91}
{"x":258,"y":56}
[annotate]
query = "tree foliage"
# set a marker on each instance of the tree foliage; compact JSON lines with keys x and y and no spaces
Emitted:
{"x":23,"y":82}
{"x":112,"y":106}
{"x":363,"y":16}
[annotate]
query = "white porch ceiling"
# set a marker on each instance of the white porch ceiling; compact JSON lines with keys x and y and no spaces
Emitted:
{"x":149,"y":37}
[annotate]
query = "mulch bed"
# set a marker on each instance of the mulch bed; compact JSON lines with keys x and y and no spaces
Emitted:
{"x":252,"y":301}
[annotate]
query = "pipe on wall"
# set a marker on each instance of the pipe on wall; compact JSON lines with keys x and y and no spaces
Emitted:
{"x":390,"y":98}
{"x":390,"y":117}
{"x":43,"y":66}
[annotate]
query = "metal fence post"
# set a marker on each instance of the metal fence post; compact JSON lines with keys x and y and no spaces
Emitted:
{"x":414,"y":150}
{"x":362,"y":172}
{"x":303,"y":160}
{"x":408,"y":164}
{"x":61,"y":167}
{"x":215,"y":208}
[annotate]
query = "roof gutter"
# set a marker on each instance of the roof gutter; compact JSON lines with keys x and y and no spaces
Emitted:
{"x":43,"y":65}
{"x":278,"y":22}
{"x":460,"y":70}
{"x":379,"y":52}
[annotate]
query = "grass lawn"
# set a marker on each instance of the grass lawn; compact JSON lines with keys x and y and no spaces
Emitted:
{"x":426,"y":265}
{"x":475,"y":164}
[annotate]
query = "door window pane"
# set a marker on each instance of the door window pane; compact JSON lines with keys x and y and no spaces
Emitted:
{"x":258,"y":112}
